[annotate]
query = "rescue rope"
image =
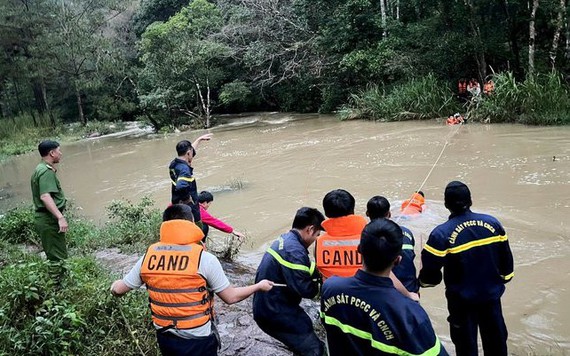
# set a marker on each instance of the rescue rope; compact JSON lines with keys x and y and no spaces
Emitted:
{"x":447,"y":141}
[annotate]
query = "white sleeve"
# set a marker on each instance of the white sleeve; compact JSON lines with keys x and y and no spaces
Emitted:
{"x":211,"y":269}
{"x":133,"y":278}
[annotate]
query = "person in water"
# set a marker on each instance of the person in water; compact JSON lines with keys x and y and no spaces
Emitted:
{"x":415,"y":205}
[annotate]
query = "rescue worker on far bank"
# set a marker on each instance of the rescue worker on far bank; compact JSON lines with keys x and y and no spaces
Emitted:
{"x":181,"y":278}
{"x":49,"y":203}
{"x":379,"y":208}
{"x":287,"y":263}
{"x":336,"y":251}
{"x":365,"y":315}
{"x":462,"y":89}
{"x":184,"y":189}
{"x":489,"y":87}
{"x":474,"y":252}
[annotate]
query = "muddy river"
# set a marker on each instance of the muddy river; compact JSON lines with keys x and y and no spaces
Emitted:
{"x":262,"y":168}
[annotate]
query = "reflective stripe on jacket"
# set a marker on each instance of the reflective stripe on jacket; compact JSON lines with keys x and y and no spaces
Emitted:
{"x":184,"y":185}
{"x":474,"y":251}
{"x":336,"y":250}
{"x":178,"y":295}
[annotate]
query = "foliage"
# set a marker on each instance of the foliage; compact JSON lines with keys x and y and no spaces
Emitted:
{"x":17,"y":226}
{"x":41,"y":316}
{"x":132,"y":226}
{"x":541,"y":99}
{"x":417,"y":99}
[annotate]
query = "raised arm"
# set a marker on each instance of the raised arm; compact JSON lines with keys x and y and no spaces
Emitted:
{"x":206,"y":137}
{"x":232,"y":295}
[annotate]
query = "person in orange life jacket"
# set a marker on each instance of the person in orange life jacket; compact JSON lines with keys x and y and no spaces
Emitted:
{"x":462,"y":89}
{"x":336,"y":251}
{"x":205,"y":199}
{"x":287,"y":262}
{"x":456,"y":119}
{"x":365,"y":315}
{"x":415,"y":205}
{"x":378,"y":208}
{"x":489,"y":87}
{"x":181,"y":278}
{"x":474,"y":251}
{"x":184,"y":189}
{"x":474,"y":88}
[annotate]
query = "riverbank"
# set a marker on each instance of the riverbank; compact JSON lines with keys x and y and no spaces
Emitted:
{"x":21,"y":138}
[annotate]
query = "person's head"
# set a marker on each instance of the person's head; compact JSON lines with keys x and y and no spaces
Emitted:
{"x":338,"y":203}
{"x":421,"y":193}
{"x":457,"y":197}
{"x":381,"y":245}
{"x":185,"y":150}
{"x":178,"y":212}
{"x":205,"y":198}
{"x":50,"y":151}
{"x":378,"y":207}
{"x":307,"y":222}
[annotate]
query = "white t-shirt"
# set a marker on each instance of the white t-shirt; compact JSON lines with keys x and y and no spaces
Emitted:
{"x":216,"y":279}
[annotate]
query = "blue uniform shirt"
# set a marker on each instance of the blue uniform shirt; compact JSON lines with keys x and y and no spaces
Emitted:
{"x":474,"y":251}
{"x":286,"y":262}
{"x":406,"y":270}
{"x":184,"y":185}
{"x":366,"y":315}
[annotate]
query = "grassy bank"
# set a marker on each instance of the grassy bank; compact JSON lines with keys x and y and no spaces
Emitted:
{"x":21,"y":135}
{"x":80,"y":317}
{"x":538,"y":100}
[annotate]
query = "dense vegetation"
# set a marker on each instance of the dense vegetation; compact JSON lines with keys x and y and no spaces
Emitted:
{"x":172,"y":62}
{"x":40,"y":317}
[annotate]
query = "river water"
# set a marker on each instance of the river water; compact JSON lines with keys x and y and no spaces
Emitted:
{"x":262,"y":168}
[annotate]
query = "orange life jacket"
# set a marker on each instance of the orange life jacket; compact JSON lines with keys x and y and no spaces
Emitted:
{"x":336,"y":250}
{"x":178,"y":295}
{"x":414,"y":205}
{"x":462,"y":87}
{"x":488,"y":87}
{"x":450,"y":121}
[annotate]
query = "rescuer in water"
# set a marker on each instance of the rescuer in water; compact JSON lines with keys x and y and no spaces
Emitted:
{"x":415,"y":205}
{"x":181,"y":279}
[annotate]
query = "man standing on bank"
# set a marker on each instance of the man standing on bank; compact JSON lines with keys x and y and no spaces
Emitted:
{"x":184,"y":188}
{"x":49,"y":203}
{"x":474,"y":252}
{"x":287,"y":263}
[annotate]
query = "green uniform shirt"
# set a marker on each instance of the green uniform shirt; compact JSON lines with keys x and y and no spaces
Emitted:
{"x":44,"y":181}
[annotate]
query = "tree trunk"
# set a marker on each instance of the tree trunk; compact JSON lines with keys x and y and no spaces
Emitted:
{"x":205,"y":104}
{"x":46,"y":102}
{"x":383,"y":15}
{"x":532,"y":37}
{"x":17,"y":93}
{"x":480,"y":50}
{"x":80,"y":105}
{"x":398,"y":10}
{"x":556,"y":38}
{"x":513,"y":42}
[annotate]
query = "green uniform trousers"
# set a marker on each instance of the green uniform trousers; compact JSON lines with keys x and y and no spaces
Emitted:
{"x":53,"y":242}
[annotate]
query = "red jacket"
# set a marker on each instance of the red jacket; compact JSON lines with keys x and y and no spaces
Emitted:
{"x":213,"y":222}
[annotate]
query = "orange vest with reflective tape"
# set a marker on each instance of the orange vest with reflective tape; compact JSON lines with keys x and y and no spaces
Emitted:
{"x":414,"y":205}
{"x":178,"y":295}
{"x":336,"y":250}
{"x":488,"y":87}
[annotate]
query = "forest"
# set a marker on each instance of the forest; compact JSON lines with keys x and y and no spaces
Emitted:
{"x":174,"y":62}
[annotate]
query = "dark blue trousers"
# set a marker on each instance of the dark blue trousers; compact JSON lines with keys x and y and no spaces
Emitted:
{"x":172,"y":345}
{"x":464,"y":320}
{"x":304,"y":344}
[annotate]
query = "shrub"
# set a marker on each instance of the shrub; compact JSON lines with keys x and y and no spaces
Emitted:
{"x":17,"y":226}
{"x":423,"y":98}
{"x":40,"y":317}
{"x":132,"y":226}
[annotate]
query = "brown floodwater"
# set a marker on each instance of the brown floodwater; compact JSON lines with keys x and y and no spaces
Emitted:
{"x":263,"y":167}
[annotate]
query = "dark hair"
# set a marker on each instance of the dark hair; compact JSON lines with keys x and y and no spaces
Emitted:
{"x":183,"y":147}
{"x":46,"y":146}
{"x":338,"y":203}
{"x":205,"y":197}
{"x":421,"y":193}
{"x":457,"y":197}
{"x":377,"y":207}
{"x":178,"y":212}
{"x":380,"y":244}
{"x":308,"y":217}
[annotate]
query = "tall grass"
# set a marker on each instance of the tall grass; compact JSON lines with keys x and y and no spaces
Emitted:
{"x":417,"y":99}
{"x":538,"y":100}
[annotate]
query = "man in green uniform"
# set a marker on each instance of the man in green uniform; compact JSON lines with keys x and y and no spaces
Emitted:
{"x":49,"y":203}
